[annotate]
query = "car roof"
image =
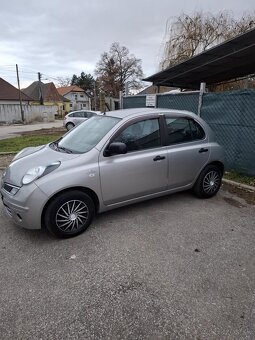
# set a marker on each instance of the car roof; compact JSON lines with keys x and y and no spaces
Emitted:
{"x":124,"y":113}
{"x":82,"y":110}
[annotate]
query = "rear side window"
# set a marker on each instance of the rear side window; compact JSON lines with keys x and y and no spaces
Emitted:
{"x":196,"y":130}
{"x":181,"y":130}
{"x":79,"y":114}
{"x":90,"y":114}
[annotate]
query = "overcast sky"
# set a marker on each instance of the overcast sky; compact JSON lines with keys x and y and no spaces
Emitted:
{"x":61,"y":38}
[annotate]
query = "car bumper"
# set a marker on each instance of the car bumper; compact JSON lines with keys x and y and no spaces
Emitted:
{"x":25,"y":207}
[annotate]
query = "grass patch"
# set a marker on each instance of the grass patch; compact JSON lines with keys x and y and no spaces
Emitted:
{"x":237,"y":177}
{"x":19,"y":143}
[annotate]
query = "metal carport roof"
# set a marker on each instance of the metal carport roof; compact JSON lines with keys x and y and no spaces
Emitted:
{"x":231,"y":59}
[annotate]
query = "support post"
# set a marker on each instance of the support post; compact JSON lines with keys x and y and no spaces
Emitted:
{"x":121,"y":99}
{"x":200,"y":100}
{"x":95,"y":97}
{"x":20,"y":100}
{"x":40,"y":88}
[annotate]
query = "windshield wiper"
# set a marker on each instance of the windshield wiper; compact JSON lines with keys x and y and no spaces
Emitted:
{"x":56,"y":147}
{"x":64,"y":149}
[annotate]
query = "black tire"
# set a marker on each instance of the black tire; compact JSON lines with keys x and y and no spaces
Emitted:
{"x":69,"y":214}
{"x":69,"y":126}
{"x":209,"y":182}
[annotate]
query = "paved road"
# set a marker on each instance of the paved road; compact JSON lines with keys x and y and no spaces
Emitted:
{"x":8,"y":131}
{"x":171,"y":268}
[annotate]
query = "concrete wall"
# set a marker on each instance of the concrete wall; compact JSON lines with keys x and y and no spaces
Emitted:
{"x":10,"y":113}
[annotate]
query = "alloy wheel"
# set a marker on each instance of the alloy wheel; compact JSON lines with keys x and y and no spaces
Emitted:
{"x":72,"y":215}
{"x":211,"y":182}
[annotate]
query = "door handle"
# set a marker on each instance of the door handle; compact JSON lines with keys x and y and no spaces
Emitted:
{"x":203,"y":150}
{"x":158,"y":158}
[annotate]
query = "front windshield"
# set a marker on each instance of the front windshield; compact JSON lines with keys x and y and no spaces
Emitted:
{"x":85,"y":136}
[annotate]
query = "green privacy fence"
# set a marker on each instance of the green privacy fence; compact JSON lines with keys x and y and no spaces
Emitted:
{"x":180,"y":101}
{"x":232,"y":117}
{"x":132,"y":102}
{"x":230,"y":114}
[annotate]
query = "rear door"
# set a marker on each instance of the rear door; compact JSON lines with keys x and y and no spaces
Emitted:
{"x":142,"y":170}
{"x":80,"y":117}
{"x":188,"y":150}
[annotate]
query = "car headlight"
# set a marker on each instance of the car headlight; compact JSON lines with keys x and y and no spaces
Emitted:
{"x":39,"y":171}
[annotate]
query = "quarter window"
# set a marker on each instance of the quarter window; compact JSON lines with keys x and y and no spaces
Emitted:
{"x":181,"y":130}
{"x":196,"y":129}
{"x":141,"y":135}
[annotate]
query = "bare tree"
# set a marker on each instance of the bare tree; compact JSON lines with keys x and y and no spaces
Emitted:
{"x":117,"y":67}
{"x":63,"y":81}
{"x":188,"y":35}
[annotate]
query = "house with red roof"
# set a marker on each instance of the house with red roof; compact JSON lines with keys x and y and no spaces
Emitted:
{"x":11,"y":95}
{"x":79,"y":99}
{"x":12,"y":112}
{"x":47,"y":94}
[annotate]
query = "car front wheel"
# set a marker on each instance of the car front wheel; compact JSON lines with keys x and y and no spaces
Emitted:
{"x":69,"y":214}
{"x":208,"y":182}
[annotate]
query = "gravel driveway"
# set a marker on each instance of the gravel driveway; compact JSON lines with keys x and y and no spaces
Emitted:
{"x":171,"y":268}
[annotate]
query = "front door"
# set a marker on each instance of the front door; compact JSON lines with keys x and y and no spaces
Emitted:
{"x":141,"y":171}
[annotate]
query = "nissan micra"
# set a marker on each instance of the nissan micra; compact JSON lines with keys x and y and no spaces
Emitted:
{"x":109,"y":161}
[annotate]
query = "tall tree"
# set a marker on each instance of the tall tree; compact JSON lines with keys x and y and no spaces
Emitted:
{"x":188,"y":35}
{"x":117,"y":67}
{"x":85,"y":81}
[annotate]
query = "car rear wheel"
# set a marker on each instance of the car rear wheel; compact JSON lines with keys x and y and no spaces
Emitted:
{"x":69,"y":126}
{"x":208,"y":182}
{"x":69,"y":214}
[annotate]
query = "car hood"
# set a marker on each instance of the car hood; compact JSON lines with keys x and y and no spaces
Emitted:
{"x":31,"y":157}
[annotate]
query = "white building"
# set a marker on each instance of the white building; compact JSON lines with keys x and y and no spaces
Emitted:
{"x":79,"y":100}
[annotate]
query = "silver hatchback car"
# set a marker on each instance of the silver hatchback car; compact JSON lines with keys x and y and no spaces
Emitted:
{"x":109,"y":161}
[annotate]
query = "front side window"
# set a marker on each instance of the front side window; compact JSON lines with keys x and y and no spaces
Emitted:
{"x":140,"y":135}
{"x":181,"y":130}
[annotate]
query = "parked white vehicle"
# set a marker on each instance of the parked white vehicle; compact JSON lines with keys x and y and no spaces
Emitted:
{"x":77,"y":117}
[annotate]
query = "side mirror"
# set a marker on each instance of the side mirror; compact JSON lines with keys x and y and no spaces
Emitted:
{"x":115,"y":148}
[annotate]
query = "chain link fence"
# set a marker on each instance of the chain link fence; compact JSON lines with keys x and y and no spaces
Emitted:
{"x":180,"y":101}
{"x":230,"y":114}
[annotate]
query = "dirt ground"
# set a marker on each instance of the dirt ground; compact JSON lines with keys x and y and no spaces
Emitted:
{"x":5,"y":160}
{"x":51,"y":131}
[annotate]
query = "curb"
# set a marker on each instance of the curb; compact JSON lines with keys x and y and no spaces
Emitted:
{"x":8,"y":153}
{"x":239,"y":185}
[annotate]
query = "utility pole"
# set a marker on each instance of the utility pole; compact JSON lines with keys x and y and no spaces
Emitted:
{"x":40,"y":88}
{"x":95,"y":96}
{"x":20,"y":101}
